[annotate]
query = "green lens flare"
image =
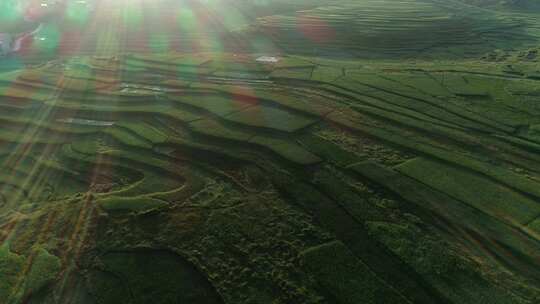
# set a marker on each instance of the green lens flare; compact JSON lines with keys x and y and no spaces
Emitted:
{"x":10,"y":16}
{"x":9,"y":11}
{"x":159,"y":43}
{"x":133,"y":15}
{"x":186,"y":19}
{"x":47,"y":39}
{"x":77,"y":13}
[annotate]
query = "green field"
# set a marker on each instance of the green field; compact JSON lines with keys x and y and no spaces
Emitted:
{"x":390,"y":154}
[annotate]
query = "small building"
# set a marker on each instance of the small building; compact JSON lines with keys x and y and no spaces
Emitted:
{"x":267,"y":59}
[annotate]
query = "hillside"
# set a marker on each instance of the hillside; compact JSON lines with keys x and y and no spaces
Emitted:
{"x":390,"y":29}
{"x":272,"y":152}
{"x":517,"y":5}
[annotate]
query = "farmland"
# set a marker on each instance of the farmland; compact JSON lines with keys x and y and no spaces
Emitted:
{"x":287,"y":152}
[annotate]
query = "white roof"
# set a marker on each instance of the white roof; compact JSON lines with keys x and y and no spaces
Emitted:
{"x":267,"y":59}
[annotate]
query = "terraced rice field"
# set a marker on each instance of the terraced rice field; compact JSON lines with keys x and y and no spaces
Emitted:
{"x":137,"y":172}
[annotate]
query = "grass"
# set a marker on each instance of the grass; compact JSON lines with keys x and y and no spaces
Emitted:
{"x":215,"y":104}
{"x":383,"y":29}
{"x":157,"y":276}
{"x":11,"y":268}
{"x":470,"y":219}
{"x":128,"y":204}
{"x":329,"y":151}
{"x":345,"y":277}
{"x":287,"y":149}
{"x":271,"y":118}
{"x":45,"y":267}
{"x":481,"y":193}
{"x":18,"y":281}
{"x":250,"y":171}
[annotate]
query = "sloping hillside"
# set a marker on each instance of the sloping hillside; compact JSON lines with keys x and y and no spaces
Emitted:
{"x":272,"y":152}
{"x":412,"y":28}
{"x":516,"y":5}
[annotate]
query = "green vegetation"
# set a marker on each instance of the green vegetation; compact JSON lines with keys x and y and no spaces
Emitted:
{"x":167,"y":157}
{"x":20,"y":279}
{"x":11,"y":267}
{"x":375,"y":29}
{"x":45,"y":267}
{"x":150,"y":275}
{"x":348,"y":279}
{"x":244,"y":151}
{"x":495,"y":199}
{"x":130,"y":204}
